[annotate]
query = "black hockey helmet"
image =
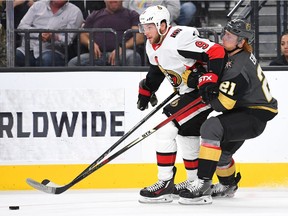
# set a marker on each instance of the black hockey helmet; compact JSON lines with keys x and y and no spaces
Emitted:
{"x":241,"y":28}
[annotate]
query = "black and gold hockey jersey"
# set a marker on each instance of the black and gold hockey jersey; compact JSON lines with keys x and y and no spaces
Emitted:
{"x":243,"y":85}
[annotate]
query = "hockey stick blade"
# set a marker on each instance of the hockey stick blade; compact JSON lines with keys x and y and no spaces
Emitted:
{"x":41,"y":187}
{"x":47,"y":186}
{"x":47,"y":182}
{"x":58,"y":190}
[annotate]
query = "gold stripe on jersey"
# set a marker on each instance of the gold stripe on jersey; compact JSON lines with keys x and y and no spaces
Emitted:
{"x":207,"y":153}
{"x":264,"y":108}
{"x":226,"y":172}
{"x":227,"y":102}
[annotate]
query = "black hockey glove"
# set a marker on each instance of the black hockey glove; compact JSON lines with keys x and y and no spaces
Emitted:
{"x":208,"y":87}
{"x":145,"y":96}
{"x":191,"y":76}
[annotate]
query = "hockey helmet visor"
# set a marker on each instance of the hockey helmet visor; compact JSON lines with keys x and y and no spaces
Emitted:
{"x":154,"y":14}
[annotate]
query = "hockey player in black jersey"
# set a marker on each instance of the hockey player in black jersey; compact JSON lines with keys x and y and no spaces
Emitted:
{"x":246,"y":104}
{"x":176,"y":53}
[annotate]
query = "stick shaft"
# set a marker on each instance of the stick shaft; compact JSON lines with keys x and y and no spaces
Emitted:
{"x":61,"y":189}
{"x":127,"y":134}
{"x":139,"y":139}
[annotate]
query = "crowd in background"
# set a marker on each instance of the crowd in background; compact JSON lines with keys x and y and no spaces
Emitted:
{"x":90,"y":14}
{"x":26,"y":16}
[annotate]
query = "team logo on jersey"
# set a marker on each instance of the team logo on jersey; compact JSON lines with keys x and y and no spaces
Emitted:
{"x":173,"y":77}
{"x":175,"y":32}
{"x":229,"y":64}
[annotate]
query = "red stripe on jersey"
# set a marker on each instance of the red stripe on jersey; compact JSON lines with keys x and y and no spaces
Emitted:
{"x":207,"y":145}
{"x":166,"y":158}
{"x":190,"y":111}
{"x":232,"y":163}
{"x":191,"y":164}
{"x":228,"y":166}
{"x":216,"y":52}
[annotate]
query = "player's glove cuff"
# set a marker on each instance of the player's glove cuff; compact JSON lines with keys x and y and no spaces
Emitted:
{"x":208,"y":87}
{"x":207,"y":78}
{"x":145,"y":96}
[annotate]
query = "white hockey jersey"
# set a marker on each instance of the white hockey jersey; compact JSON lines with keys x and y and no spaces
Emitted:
{"x":179,"y":51}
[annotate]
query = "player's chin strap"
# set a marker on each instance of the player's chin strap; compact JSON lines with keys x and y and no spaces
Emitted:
{"x":236,"y":48}
{"x":162,"y":36}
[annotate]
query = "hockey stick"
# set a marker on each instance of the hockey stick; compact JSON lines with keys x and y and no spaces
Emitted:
{"x":110,"y":149}
{"x":52,"y":189}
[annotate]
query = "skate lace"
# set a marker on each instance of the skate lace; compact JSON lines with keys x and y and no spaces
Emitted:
{"x":195,"y":185}
{"x":182,"y":185}
{"x":156,"y":186}
{"x":217,"y":188}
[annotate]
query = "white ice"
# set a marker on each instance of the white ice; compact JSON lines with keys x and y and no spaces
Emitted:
{"x":247,"y":201}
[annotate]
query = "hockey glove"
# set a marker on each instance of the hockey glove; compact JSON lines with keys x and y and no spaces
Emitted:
{"x":191,"y":76}
{"x":208,"y":87}
{"x":145,"y":96}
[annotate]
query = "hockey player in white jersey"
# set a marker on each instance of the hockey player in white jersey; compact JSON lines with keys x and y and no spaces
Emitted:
{"x":177,"y":53}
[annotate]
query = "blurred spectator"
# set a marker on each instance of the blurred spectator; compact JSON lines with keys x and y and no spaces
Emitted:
{"x":141,"y":5}
{"x":187,"y":12}
{"x":118,"y":18}
{"x":20,"y":9}
{"x":87,"y":6}
{"x":3,"y":62}
{"x":51,"y":14}
{"x":191,"y":14}
{"x":283,"y":59}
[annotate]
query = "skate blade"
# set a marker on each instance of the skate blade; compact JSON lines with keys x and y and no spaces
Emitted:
{"x":196,"y":201}
{"x":175,"y":196}
{"x":226,"y":196}
{"x":162,"y":199}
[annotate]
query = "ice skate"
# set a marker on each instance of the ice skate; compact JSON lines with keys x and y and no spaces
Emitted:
{"x":223,"y":190}
{"x":198,"y":192}
{"x":220,"y":190}
{"x":160,"y":192}
{"x":179,"y":187}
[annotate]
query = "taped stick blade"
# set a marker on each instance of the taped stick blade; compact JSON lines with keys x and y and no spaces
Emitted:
{"x":40,"y":187}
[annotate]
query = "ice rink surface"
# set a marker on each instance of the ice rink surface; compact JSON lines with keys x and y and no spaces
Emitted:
{"x":256,"y":201}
